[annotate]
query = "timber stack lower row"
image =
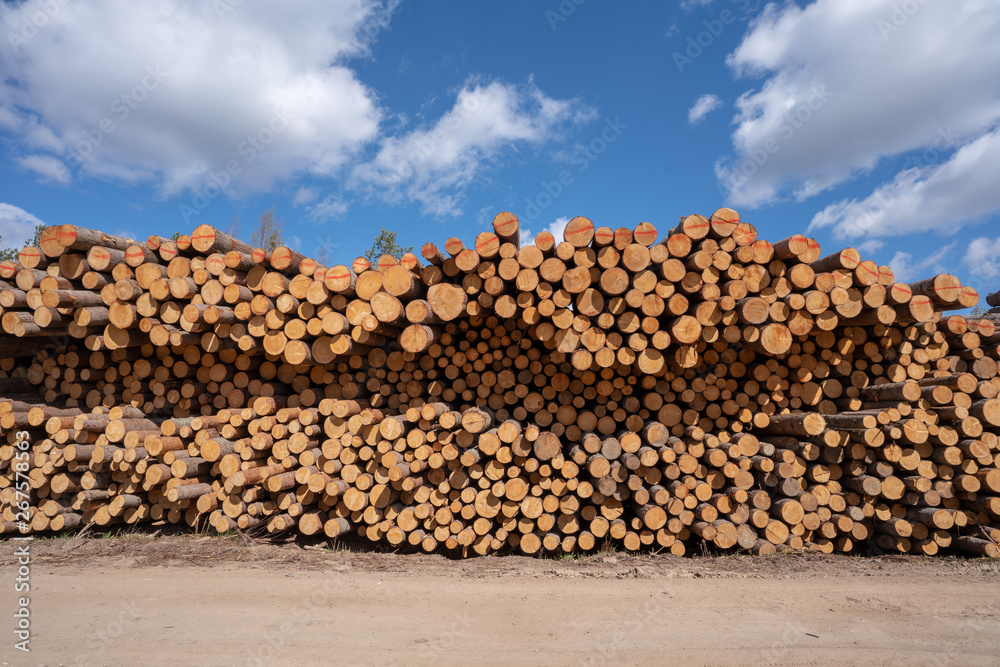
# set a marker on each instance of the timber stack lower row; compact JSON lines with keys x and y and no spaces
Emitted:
{"x":702,"y":388}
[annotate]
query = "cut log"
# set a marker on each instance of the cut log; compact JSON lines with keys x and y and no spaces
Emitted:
{"x":704,"y":389}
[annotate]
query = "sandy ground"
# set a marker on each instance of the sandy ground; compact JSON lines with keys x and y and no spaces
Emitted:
{"x":182,"y":601}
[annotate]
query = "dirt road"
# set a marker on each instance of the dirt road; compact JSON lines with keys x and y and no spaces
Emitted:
{"x":178,"y":601}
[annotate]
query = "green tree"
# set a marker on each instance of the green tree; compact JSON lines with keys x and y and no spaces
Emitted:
{"x":385,"y":244}
{"x":12,"y":253}
{"x":268,"y":234}
{"x":36,"y":240}
{"x":8,"y":253}
{"x":976,"y":313}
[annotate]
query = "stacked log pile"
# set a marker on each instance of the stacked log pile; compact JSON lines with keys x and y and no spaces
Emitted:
{"x":706,"y":387}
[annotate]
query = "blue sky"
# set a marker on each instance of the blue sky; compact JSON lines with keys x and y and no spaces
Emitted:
{"x":869,"y":123}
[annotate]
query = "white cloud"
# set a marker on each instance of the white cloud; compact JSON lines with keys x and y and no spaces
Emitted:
{"x":703,"y":106}
{"x":330,"y":208}
{"x":305,"y":195}
{"x":46,"y":166}
{"x":432,"y":165}
{"x":166,"y":92}
{"x":906,"y":270}
{"x":870,"y":247}
{"x":527,"y":238}
{"x":556,"y":228}
{"x":32,"y":132}
{"x":942,"y":198}
{"x":16,"y":225}
{"x":485,"y":215}
{"x":982,"y":258}
{"x":689,"y":5}
{"x":843,"y":90}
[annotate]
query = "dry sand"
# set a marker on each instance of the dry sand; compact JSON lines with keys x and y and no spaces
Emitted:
{"x":181,"y":600}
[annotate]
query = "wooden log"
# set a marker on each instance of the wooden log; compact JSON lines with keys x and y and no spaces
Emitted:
{"x":72,"y":237}
{"x":418,"y":337}
{"x":943,"y":288}
{"x":539,"y":398}
{"x":908,"y":390}
{"x":791,"y":247}
{"x":802,"y":424}
{"x":206,"y":239}
{"x":400,"y":282}
{"x":507,"y":228}
{"x":284,"y":258}
{"x":694,"y":227}
{"x":447,"y":301}
{"x":579,"y":231}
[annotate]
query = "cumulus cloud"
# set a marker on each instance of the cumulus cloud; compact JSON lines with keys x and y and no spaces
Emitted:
{"x":46,"y":166}
{"x":16,"y":225}
{"x":870,"y":247}
{"x":703,"y":106}
{"x":982,"y":258}
{"x":432,"y":165}
{"x":196,"y":98}
{"x":331,"y":208}
{"x":305,"y":195}
{"x":939,"y":198}
{"x":846,"y":83}
{"x":906,"y":269}
{"x":169,"y":92}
